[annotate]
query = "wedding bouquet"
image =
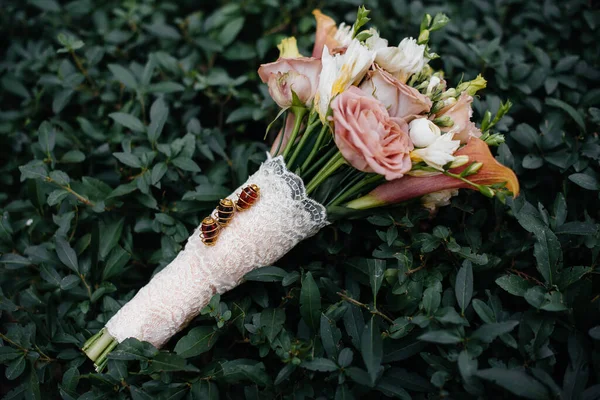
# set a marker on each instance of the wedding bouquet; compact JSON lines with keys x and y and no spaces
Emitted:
{"x":364,"y":124}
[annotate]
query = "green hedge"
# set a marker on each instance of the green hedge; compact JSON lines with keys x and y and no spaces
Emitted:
{"x":121,"y":125}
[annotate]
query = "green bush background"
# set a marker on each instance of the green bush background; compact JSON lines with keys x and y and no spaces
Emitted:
{"x":121,"y":125}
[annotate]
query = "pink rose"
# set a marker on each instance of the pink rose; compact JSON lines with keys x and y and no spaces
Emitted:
{"x":460,"y":113}
{"x":401,"y":100}
{"x":368,"y":138}
{"x":286,"y":74}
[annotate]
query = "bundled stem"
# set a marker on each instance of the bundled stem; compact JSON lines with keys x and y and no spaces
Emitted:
{"x":98,"y":347}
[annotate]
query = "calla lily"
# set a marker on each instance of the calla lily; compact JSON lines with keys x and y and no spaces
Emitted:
{"x":325,"y":35}
{"x":410,"y":187}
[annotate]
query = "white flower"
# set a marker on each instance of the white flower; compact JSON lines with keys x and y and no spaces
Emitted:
{"x":439,"y":153}
{"x":406,"y":59}
{"x":339,"y":72}
{"x":343,"y":35}
{"x":433,"y":82}
{"x":376,"y":42}
{"x":438,"y":199}
{"x":29,"y":222}
{"x":423,"y":132}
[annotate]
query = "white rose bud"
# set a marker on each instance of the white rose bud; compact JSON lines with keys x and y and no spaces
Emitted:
{"x":376,"y":42}
{"x":344,"y":35}
{"x":423,"y":132}
{"x":406,"y":59}
{"x":433,"y":82}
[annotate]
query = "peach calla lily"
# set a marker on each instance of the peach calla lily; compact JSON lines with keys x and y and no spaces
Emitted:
{"x":325,"y":35}
{"x":409,"y":187}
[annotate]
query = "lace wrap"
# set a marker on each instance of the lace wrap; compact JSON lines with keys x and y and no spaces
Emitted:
{"x":283,"y":216}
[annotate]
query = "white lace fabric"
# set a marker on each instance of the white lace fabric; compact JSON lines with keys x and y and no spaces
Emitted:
{"x":283,"y":216}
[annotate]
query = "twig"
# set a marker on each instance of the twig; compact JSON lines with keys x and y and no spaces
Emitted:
{"x":365,"y":306}
{"x":83,"y":70}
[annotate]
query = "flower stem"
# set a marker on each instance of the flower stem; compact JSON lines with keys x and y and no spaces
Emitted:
{"x":315,"y":148}
{"x":287,"y":115}
{"x":98,"y":347}
{"x":299,"y":113}
{"x":311,"y":126}
{"x":355,"y":189}
{"x":332,"y":165}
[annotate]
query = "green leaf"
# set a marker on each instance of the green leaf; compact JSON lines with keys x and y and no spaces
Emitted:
{"x":158,"y":171}
{"x":330,"y":336}
{"x":515,"y":381}
{"x":57,"y":196}
{"x":110,"y":232}
{"x":72,"y":157}
{"x":123,"y":75}
{"x":66,"y":254}
{"x":14,"y":261}
{"x":15,"y":368}
{"x":441,"y":337}
{"x":128,"y":121}
{"x":464,"y":286}
{"x":128,"y":159}
{"x":320,"y":364}
{"x":46,"y":137}
{"x":576,"y":228}
{"x":204,"y":390}
{"x":266,"y":274}
{"x":231,"y":30}
{"x":431,"y":300}
{"x":271,"y":322}
{"x":69,"y":282}
{"x":159,"y":112}
{"x":60,"y":177}
{"x":484,"y":311}
{"x":514,"y":284}
{"x":354,"y":323}
{"x":186,"y":164}
{"x":488,"y":332}
{"x":33,"y":170}
{"x":50,"y":275}
{"x":310,"y":302}
{"x":198,"y":340}
{"x":345,"y":358}
{"x":392,"y":388}
{"x":585,"y":181}
{"x":33,"y":385}
{"x":554,"y":102}
{"x":371,"y":349}
{"x":166,"y":87}
{"x":376,"y":269}
{"x":167,"y":362}
{"x":548,"y":253}
{"x":115,"y":263}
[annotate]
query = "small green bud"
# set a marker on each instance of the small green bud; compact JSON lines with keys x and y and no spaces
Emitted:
{"x":423,"y":37}
{"x":472,"y":87}
{"x":471,"y":169}
{"x":459,"y":161}
{"x":486,"y":191}
{"x":444,"y":121}
{"x":439,"y":22}
{"x":450,"y":93}
{"x":425,"y":22}
{"x":494,"y":140}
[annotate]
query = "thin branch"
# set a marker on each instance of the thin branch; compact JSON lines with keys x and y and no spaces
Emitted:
{"x":365,"y":306}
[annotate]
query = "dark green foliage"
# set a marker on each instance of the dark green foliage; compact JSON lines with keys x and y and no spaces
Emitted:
{"x":122,"y":123}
